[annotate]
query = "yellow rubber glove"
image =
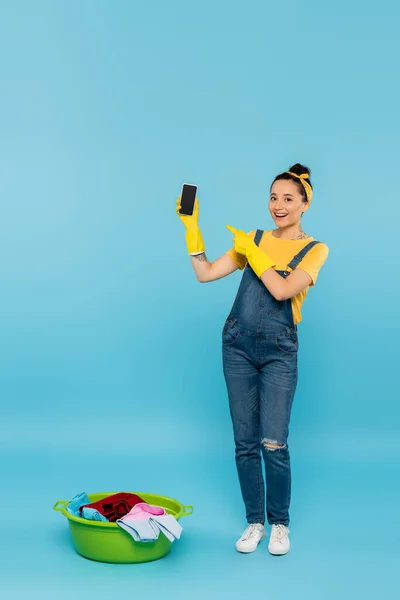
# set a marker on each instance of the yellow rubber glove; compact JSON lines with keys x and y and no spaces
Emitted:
{"x":194,"y":239}
{"x":257,"y":259}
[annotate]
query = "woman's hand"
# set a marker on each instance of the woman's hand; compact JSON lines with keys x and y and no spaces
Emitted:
{"x":242,"y":241}
{"x":194,"y":239}
{"x":256,"y":258}
{"x":188,"y":220}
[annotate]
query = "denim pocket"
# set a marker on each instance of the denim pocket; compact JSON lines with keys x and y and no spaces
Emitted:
{"x":230,"y":333}
{"x":287,"y":343}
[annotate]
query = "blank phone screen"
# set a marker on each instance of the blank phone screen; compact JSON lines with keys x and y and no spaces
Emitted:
{"x":187,"y":199}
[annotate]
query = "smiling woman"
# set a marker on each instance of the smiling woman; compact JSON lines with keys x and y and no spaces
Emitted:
{"x":260,"y":346}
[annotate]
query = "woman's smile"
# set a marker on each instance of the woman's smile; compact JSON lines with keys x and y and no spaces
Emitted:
{"x":280,"y":215}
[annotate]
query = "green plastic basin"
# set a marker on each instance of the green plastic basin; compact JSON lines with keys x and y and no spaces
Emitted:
{"x":107,"y":542}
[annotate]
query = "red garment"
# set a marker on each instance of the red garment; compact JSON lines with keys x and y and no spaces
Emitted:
{"x":116,"y":506}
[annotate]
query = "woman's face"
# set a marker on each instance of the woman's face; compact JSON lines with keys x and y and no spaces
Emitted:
{"x":286,"y":204}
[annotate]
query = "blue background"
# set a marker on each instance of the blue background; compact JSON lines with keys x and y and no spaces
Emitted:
{"x":110,"y":365}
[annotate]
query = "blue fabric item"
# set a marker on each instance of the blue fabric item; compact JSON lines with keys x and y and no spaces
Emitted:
{"x":76,"y":503}
{"x":93,"y":515}
{"x":141,"y":530}
{"x":168,"y":525}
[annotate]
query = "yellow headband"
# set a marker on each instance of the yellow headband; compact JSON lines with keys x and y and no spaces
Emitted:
{"x":307,"y":187}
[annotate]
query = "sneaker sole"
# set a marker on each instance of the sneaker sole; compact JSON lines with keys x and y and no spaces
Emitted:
{"x":255,"y":547}
{"x":278,"y":553}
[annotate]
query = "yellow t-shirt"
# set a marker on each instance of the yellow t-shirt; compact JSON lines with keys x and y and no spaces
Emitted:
{"x":282,"y":252}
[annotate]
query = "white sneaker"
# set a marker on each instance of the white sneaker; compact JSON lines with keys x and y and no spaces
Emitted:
{"x":252,"y":536}
{"x":279,"y":540}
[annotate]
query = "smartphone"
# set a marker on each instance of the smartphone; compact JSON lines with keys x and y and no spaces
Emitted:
{"x":188,"y":197}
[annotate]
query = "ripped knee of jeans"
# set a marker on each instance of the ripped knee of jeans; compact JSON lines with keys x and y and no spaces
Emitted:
{"x":272,"y":445}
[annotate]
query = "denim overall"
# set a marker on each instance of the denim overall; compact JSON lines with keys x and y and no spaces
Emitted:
{"x":260,"y":366}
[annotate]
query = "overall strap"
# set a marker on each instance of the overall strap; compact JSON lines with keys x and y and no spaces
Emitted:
{"x":299,"y":257}
{"x":258,"y":236}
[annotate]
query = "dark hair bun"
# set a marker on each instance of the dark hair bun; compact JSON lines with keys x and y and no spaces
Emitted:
{"x":300,"y":169}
